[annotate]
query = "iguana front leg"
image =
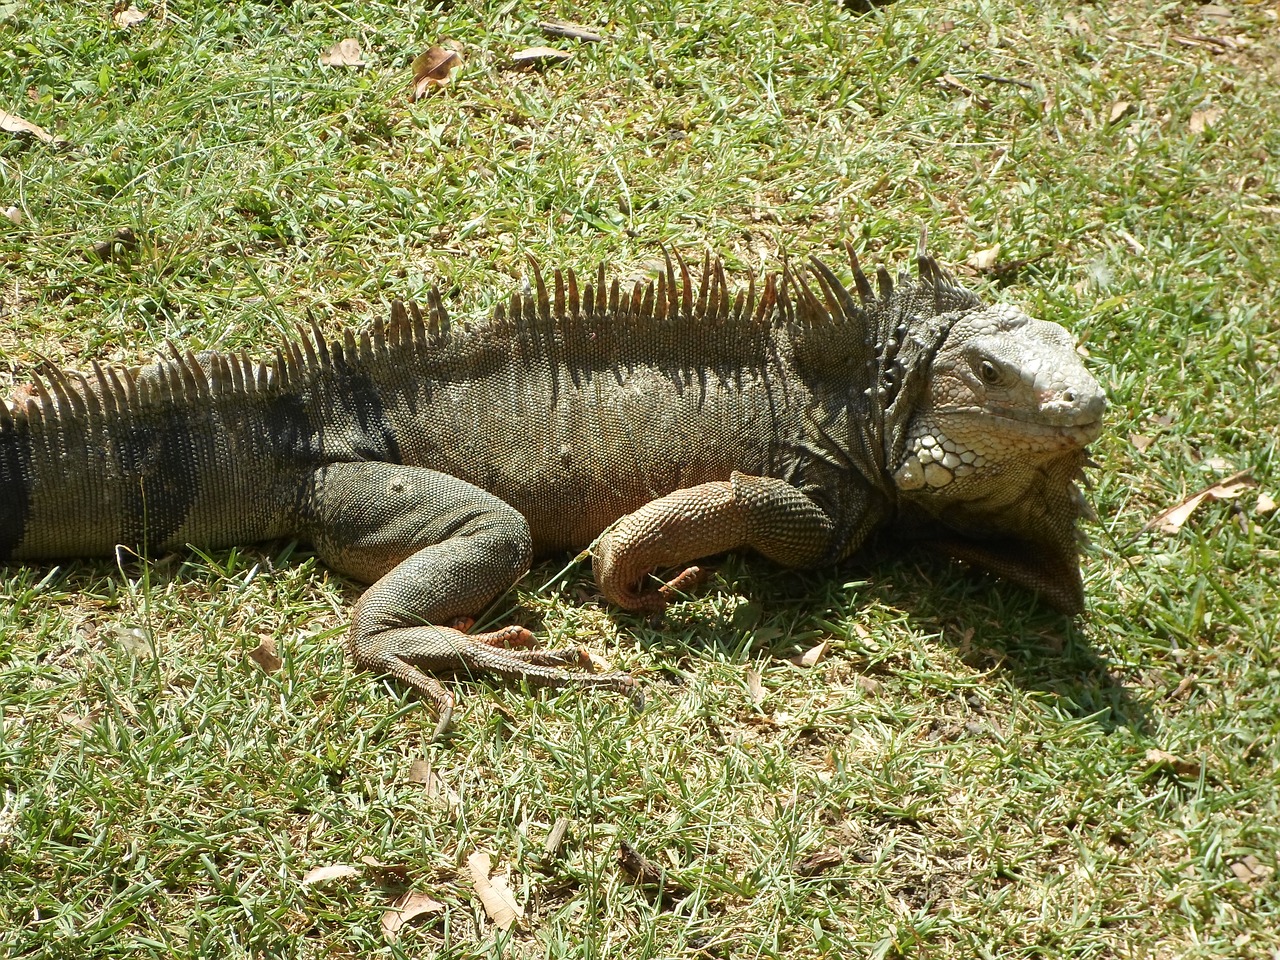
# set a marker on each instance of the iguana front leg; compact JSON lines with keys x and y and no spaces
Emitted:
{"x":436,"y":549}
{"x":768,"y":515}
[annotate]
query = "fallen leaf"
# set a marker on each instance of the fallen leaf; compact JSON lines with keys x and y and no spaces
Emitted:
{"x":1265,"y":504}
{"x":126,"y":17}
{"x":421,"y":771}
{"x":870,"y":686}
{"x":1182,"y":689}
{"x":405,"y":908}
{"x":1202,"y":120}
{"x":1249,"y":869}
{"x":984,"y":259}
{"x":344,"y":53}
{"x":265,"y":656}
{"x":135,"y":641}
{"x":431,"y":71}
{"x":540,"y":56}
{"x":495,"y":897}
{"x":13,"y":215}
{"x":1119,"y":110}
{"x":1141,"y":441}
{"x":324,"y":874}
{"x":556,"y":837}
{"x":755,"y":686}
{"x":812,"y":656}
{"x":1179,"y":765}
{"x":12,"y":123}
{"x":1172,"y":519}
{"x":1215,"y":12}
{"x":123,"y":245}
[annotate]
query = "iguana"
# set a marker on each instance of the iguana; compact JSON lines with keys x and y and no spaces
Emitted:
{"x":660,"y":424}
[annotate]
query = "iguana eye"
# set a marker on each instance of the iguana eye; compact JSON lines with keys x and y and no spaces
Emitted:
{"x":989,"y":372}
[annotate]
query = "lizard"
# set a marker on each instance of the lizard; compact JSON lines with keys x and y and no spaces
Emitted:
{"x":658,"y":424}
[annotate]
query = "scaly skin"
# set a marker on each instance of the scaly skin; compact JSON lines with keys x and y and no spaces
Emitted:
{"x":673,"y":421}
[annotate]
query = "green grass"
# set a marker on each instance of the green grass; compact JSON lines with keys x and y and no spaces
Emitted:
{"x":978,"y":768}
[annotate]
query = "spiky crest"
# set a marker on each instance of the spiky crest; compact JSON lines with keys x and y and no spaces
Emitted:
{"x":595,"y":322}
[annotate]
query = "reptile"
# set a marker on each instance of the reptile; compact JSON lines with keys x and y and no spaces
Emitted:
{"x":658,"y":424}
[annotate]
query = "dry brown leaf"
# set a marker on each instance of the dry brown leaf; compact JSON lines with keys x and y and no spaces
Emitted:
{"x":135,"y":641}
{"x":12,"y":123}
{"x":1215,"y":12}
{"x":324,"y":874}
{"x":1141,"y":441}
{"x":1171,"y":520}
{"x":1119,"y":109}
{"x":498,"y":901}
{"x":870,"y":686}
{"x":813,"y":656}
{"x":984,"y":259}
{"x":344,"y":53}
{"x":540,"y":56}
{"x":126,"y":17}
{"x":1202,"y":120}
{"x":1182,"y":689}
{"x":556,"y":837}
{"x":1265,"y":504}
{"x":431,"y":71}
{"x":265,"y":656}
{"x":13,"y":215}
{"x":1179,"y":765}
{"x":421,"y":771}
{"x":1249,"y":869}
{"x":405,"y":908}
{"x":755,"y":686}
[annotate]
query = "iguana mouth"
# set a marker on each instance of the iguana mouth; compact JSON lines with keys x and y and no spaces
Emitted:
{"x":1080,"y":432}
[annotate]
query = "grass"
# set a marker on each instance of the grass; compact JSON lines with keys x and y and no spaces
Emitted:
{"x":979,"y":773}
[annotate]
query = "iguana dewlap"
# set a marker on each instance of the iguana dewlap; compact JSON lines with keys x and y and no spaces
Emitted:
{"x":434,"y":460}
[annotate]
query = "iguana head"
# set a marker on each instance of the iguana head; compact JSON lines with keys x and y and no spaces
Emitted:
{"x":1006,"y":392}
{"x":996,"y":442}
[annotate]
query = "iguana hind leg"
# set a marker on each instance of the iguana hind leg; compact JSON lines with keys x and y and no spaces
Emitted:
{"x":437,"y":550}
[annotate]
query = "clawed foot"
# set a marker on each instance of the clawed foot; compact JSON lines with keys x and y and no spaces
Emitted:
{"x":414,"y":654}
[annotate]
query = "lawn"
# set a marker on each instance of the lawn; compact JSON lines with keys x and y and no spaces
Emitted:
{"x":962,"y":773}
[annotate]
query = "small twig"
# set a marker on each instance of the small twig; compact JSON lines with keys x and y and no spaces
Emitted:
{"x":562,"y":28}
{"x":1013,"y":80}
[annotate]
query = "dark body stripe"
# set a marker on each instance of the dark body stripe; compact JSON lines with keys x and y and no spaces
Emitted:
{"x":15,"y":479}
{"x":162,"y":452}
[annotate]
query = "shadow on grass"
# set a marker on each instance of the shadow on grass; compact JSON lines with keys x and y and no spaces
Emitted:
{"x":991,"y":625}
